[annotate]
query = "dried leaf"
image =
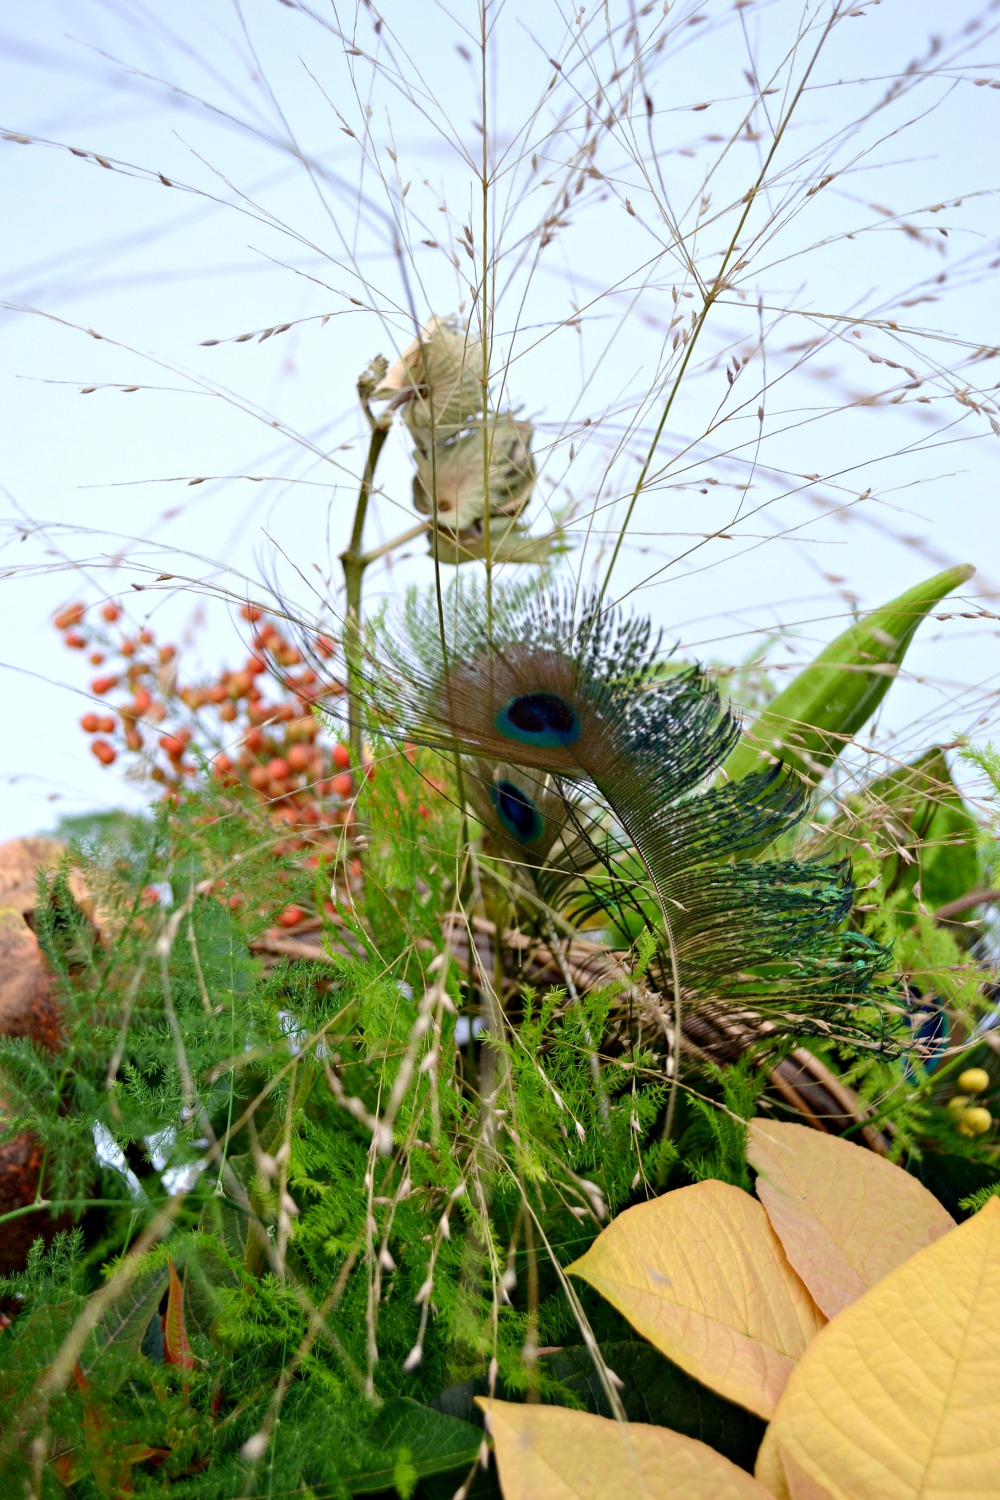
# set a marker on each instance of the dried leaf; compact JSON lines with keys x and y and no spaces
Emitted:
{"x":899,"y":1396}
{"x":702,"y":1275}
{"x":26,"y":1004}
{"x":550,"y":1453}
{"x":845,"y":1216}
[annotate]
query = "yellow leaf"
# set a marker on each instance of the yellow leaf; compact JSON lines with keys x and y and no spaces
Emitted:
{"x":845,"y":1216}
{"x":702,"y":1275}
{"x":549,"y":1453}
{"x":899,"y":1397}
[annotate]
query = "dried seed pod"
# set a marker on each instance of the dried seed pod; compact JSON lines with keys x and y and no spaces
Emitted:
{"x":437,"y":380}
{"x":451,"y":474}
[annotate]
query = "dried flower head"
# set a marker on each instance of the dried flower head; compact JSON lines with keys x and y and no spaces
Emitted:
{"x":437,"y":380}
{"x":448,"y":484}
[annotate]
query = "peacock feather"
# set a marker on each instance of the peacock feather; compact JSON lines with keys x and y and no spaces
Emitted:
{"x":553,"y":705}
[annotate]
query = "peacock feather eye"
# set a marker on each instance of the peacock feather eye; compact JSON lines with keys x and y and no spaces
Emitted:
{"x":542,"y":719}
{"x":517,"y":812}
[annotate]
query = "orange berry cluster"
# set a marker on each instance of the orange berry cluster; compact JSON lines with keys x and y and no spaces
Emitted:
{"x":254,"y":726}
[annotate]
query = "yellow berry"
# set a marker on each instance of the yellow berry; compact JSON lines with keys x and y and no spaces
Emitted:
{"x":974,"y":1080}
{"x":975,"y":1121}
{"x":958,"y":1103}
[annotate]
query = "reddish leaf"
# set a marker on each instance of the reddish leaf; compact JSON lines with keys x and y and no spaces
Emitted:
{"x":176,"y":1349}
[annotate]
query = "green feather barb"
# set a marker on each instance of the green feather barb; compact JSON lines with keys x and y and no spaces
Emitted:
{"x":580,"y":699}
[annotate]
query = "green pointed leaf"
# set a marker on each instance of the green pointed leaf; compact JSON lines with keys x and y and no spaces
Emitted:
{"x":121,"y":1328}
{"x":424,"y":1441}
{"x":808,"y":725}
{"x":919,"y":810}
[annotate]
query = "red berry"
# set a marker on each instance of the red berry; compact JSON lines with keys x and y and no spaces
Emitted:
{"x":343,"y":784}
{"x":105,"y":753}
{"x":75,"y":642}
{"x":291,"y":916}
{"x":102,"y":685}
{"x":96,"y":658}
{"x":90,"y":723}
{"x":72,"y":615}
{"x":325,"y":646}
{"x":250,"y":612}
{"x":341,"y":757}
{"x":110,"y":612}
{"x":278,"y":769}
{"x":146,"y":637}
{"x":106,"y":724}
{"x":173,"y":744}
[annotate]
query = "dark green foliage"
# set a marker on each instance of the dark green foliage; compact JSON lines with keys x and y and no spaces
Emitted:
{"x":273,"y":1093}
{"x":654,"y":1390}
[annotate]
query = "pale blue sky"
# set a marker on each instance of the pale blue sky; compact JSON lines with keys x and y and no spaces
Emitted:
{"x":220,"y":98}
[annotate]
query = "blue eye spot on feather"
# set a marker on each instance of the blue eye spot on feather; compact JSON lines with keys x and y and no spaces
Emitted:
{"x":542,"y":719}
{"x":517,"y":812}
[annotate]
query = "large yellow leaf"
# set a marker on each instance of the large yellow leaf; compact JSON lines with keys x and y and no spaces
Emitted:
{"x":702,"y":1275}
{"x":899,"y":1397}
{"x":549,"y":1453}
{"x":845,"y":1216}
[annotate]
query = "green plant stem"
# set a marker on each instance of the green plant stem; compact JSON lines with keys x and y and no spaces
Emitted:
{"x":354,"y":563}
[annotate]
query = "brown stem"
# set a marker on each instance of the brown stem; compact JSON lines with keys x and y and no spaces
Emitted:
{"x":965,"y":903}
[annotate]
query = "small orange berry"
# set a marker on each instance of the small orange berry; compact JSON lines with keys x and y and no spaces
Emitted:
{"x":72,"y":615}
{"x":110,"y":612}
{"x":291,"y":916}
{"x":105,"y":753}
{"x":341,"y":757}
{"x":90,"y":723}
